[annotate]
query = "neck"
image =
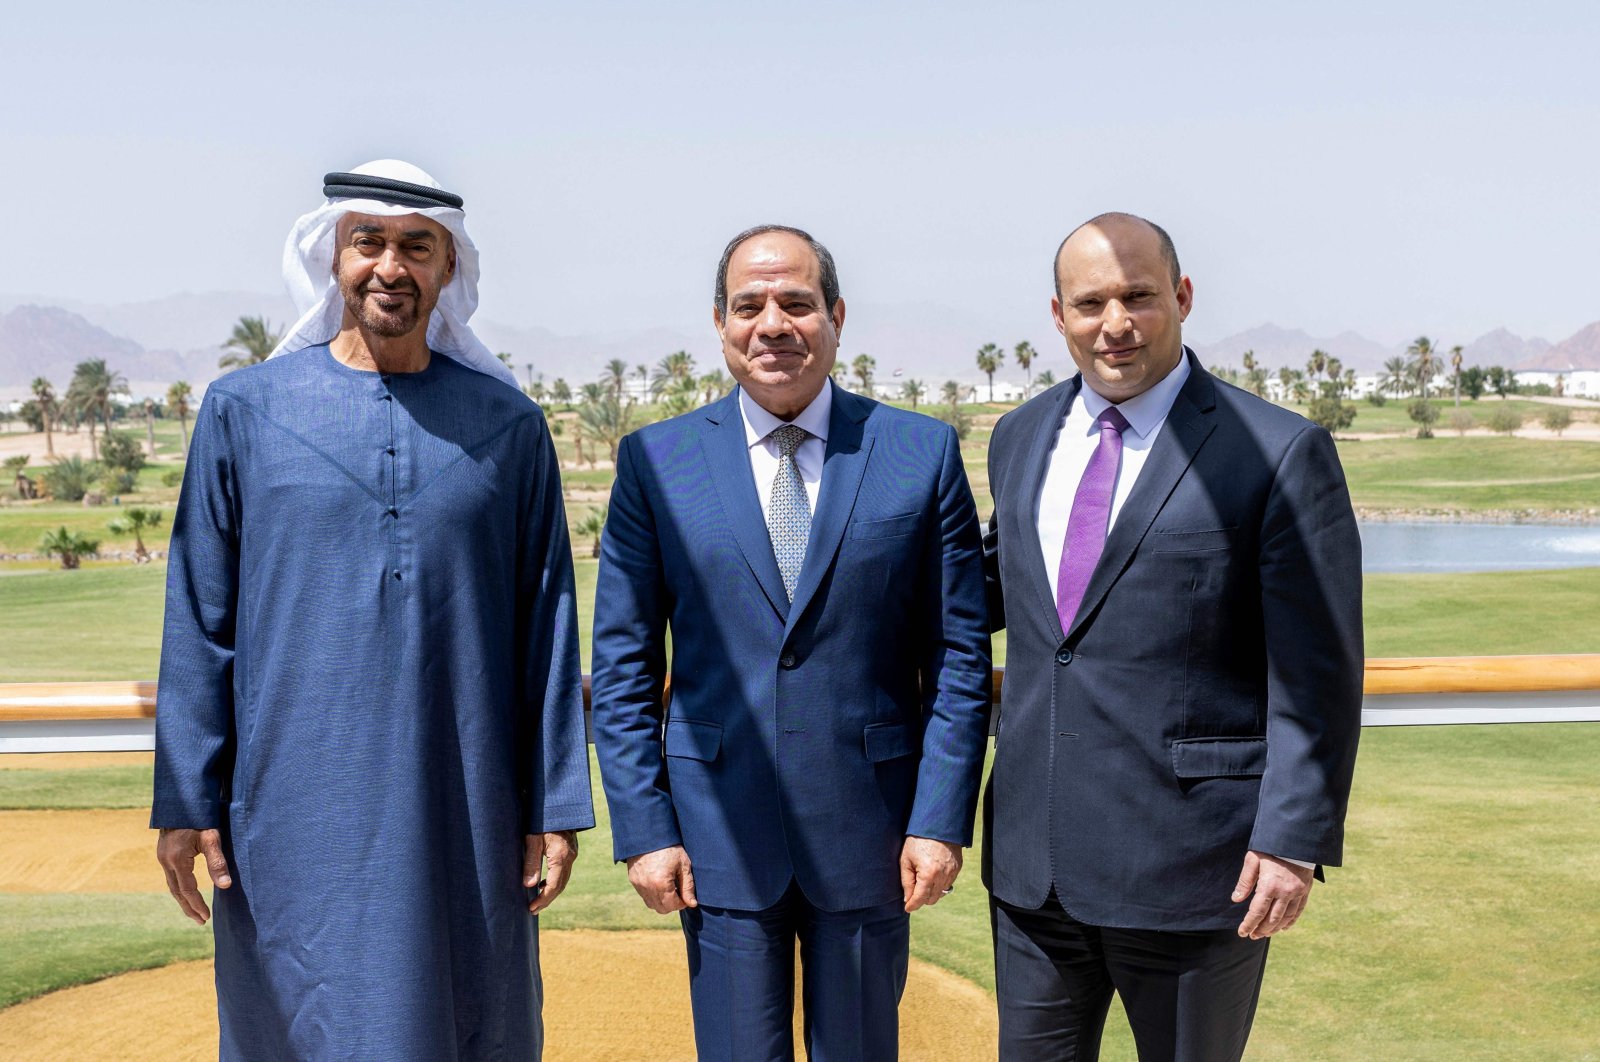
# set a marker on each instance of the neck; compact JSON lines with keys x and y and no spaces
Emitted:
{"x":784,"y":406}
{"x":361,"y":349}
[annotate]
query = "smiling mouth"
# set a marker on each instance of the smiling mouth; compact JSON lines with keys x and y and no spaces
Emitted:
{"x":1121,"y":353}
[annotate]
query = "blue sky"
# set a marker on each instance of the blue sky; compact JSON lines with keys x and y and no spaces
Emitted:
{"x":1390,"y":168}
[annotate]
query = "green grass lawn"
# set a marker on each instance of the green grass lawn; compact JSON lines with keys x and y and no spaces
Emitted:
{"x":1473,"y":474}
{"x":1392,"y":415}
{"x":21,"y":526}
{"x":84,"y":787}
{"x":1461,"y":927}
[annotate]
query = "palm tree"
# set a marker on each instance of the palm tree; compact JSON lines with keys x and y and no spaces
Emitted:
{"x":252,"y":340}
{"x":715,"y":384}
{"x":593,"y":524}
{"x":862,"y":368}
{"x":1455,"y":370}
{"x":951,"y":392}
{"x":607,"y":421}
{"x":561,"y":392}
{"x":134,"y":521}
{"x":1396,"y":377}
{"x":1316,"y":363}
{"x":1285,"y":381}
{"x":1299,"y":387}
{"x":911,"y":391}
{"x":90,"y":393}
{"x":615,"y":377}
{"x":1046,"y":380}
{"x":593,"y":393}
{"x":1024,"y":353}
{"x":68,"y":545}
{"x":643,"y":373}
{"x":150,"y":426}
{"x":989,"y":359}
{"x":178,"y":405}
{"x":1422,"y":364}
{"x":675,"y":367}
{"x":1335,"y":370}
{"x":837,"y":372}
{"x":44,"y":396}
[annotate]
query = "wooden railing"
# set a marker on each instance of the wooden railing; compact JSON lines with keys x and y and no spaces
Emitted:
{"x":120,"y":716}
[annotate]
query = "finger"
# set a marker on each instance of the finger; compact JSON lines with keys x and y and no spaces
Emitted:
{"x":1274,"y":919}
{"x":532,"y":856}
{"x":686,"y":885}
{"x":177,"y":894}
{"x":908,"y":879}
{"x":216,"y":862}
{"x":189,"y":893}
{"x":1259,"y":907}
{"x":555,"y":881}
{"x":1247,"y":877}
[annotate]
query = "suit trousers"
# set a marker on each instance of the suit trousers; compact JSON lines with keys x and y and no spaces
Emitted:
{"x":741,"y":980}
{"x":1190,"y":996}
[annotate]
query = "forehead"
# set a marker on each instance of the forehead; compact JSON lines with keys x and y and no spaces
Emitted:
{"x":1113,"y":252}
{"x":396,"y":225}
{"x":771,"y":258}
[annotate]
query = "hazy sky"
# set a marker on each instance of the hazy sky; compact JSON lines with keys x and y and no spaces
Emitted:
{"x":1394,"y":168}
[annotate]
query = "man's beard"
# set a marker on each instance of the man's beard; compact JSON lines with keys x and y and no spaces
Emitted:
{"x":388,"y":323}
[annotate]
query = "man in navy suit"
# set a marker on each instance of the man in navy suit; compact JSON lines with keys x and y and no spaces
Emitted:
{"x":1177,"y":566}
{"x":816,"y":560}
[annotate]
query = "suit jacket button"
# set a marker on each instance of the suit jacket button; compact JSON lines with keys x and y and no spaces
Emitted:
{"x":1063,"y":656}
{"x":787,"y":661}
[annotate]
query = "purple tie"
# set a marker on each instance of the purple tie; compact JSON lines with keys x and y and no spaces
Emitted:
{"x":1091,"y":514}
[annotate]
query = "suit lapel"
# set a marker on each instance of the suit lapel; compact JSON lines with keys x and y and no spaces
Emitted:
{"x":1189,"y":424}
{"x":1024,"y":516}
{"x":728,"y":455}
{"x":844,"y":461}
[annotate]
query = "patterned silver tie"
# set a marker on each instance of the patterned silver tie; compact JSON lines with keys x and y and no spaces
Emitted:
{"x":789,"y":511}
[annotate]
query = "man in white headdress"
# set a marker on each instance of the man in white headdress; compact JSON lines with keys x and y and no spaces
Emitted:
{"x":370,"y":718}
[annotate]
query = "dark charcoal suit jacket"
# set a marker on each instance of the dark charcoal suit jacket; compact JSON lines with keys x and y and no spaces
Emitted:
{"x":1207,"y":699}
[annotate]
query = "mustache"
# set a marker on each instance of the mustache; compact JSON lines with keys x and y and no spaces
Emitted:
{"x":398,"y":288}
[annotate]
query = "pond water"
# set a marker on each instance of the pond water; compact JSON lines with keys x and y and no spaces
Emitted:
{"x":1438,"y":547}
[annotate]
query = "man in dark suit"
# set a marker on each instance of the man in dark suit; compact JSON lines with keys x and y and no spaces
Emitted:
{"x":1177,"y":566}
{"x":816,"y":773}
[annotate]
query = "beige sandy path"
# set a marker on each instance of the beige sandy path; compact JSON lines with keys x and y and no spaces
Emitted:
{"x":609,"y":997}
{"x":78,"y":851}
{"x":65,"y":761}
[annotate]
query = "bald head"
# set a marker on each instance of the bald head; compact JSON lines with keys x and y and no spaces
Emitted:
{"x":1129,"y":224}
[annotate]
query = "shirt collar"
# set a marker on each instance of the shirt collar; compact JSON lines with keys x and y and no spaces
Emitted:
{"x":759,"y":423}
{"x":1146,"y":411}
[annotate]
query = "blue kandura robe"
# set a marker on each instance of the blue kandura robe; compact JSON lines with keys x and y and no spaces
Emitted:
{"x":370,"y":684}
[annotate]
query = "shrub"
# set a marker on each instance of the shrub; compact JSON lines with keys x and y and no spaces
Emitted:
{"x":1376,"y":399}
{"x":1462,"y":422}
{"x":1424,"y":413}
{"x":172,"y":477}
{"x":953,"y":416}
{"x":70,"y":478}
{"x":1504,"y":421}
{"x":1330,"y":412}
{"x":118,"y":481}
{"x":1557,"y":419}
{"x":119,"y":450}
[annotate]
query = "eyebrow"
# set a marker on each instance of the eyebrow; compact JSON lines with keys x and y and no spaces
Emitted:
{"x":786,"y":292}
{"x":374,"y":230}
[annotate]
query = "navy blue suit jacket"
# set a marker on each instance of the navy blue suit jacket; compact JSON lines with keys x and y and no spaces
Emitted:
{"x":1206,"y":699}
{"x":804,"y":741}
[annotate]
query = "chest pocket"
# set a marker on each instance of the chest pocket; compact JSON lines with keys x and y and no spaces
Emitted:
{"x":892,"y":527}
{"x":1192,"y":541}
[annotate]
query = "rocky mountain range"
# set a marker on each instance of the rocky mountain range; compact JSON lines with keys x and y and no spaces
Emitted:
{"x":180,"y":337}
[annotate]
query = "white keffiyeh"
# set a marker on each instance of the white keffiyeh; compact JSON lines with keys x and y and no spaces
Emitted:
{"x":308,"y":273}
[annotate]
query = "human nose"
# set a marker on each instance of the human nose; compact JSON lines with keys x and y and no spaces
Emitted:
{"x":390,"y":268}
{"x":773,"y":321}
{"x":1116,"y":321}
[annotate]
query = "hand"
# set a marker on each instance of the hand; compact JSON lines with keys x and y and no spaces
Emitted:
{"x":928,"y":870}
{"x":176,"y":851}
{"x":1281,"y":892}
{"x":557,"y":851}
{"x":663,"y":879}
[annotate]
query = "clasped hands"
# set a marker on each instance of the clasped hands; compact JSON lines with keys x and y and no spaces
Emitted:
{"x":176,"y":851}
{"x":664,"y":879}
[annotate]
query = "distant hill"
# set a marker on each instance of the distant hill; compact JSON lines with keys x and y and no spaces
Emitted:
{"x":1581,"y":350}
{"x":1275,"y":347}
{"x":1503,"y":347}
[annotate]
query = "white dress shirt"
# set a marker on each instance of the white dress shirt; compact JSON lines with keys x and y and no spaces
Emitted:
{"x":758,"y":427}
{"x":1076,"y":442}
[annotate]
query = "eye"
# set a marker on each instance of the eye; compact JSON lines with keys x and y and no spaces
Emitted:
{"x":1087,"y":304}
